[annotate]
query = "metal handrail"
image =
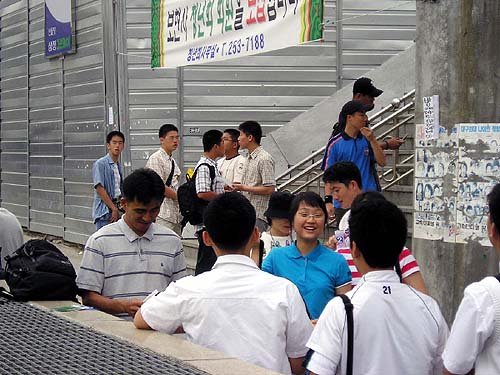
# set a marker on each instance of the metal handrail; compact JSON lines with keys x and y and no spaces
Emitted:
{"x":315,"y":164}
{"x":394,"y":182}
{"x":370,"y":119}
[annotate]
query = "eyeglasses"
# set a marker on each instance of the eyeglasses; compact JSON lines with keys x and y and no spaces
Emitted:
{"x":174,"y":137}
{"x":306,"y":215}
{"x":228,"y":140}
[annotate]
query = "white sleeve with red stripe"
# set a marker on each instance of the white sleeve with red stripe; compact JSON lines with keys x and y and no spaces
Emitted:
{"x":408,"y":263}
{"x":356,"y":276}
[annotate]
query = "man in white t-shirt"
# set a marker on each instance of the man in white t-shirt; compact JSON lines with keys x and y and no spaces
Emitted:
{"x":397,"y":330}
{"x":344,"y":181}
{"x":474,"y":341}
{"x":232,"y":164}
{"x":235,"y":308}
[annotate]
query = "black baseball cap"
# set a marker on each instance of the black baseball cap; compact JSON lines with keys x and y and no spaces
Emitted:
{"x":352,"y":107}
{"x":365,"y":86}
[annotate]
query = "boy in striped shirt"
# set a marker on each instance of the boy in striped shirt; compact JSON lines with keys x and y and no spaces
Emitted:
{"x":344,"y":181}
{"x":125,"y":261}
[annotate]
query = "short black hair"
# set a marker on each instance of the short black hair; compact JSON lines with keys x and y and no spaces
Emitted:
{"x":252,"y":128}
{"x":311,"y":199}
{"x":210,"y":139}
{"x":379,"y":229}
{"x":230,"y":221}
{"x":143,"y":185}
{"x":343,"y":172}
{"x":165,"y":128}
{"x":114,"y":133}
{"x":494,"y":206}
{"x":234,"y":134}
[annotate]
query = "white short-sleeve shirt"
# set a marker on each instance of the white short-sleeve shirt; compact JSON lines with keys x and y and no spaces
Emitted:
{"x":237,"y":309}
{"x":397,"y":330}
{"x":470,"y":343}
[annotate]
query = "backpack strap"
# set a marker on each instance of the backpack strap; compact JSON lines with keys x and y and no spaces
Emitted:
{"x":171,"y":175}
{"x":350,"y":331}
{"x":211,"y":169}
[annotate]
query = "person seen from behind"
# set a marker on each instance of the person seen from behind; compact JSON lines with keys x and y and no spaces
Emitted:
{"x":234,"y":308}
{"x":344,"y":181}
{"x":397,"y":329}
{"x":474,"y":343}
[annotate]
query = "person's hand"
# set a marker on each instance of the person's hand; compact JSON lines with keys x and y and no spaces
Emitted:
{"x":238,"y":186}
{"x":368,"y":134}
{"x":131,"y":306}
{"x":394,"y":143}
{"x":331,"y":212}
{"x":228,"y":188}
{"x":332,"y":242}
{"x":115,"y":215}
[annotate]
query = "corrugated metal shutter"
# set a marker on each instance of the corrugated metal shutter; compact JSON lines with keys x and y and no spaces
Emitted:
{"x":152,"y":94}
{"x":272,"y":88}
{"x":374,"y":31}
{"x":84,"y":119}
{"x":14,"y":107}
{"x":45,"y":132}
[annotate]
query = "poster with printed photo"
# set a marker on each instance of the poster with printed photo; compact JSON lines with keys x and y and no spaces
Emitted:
{"x":477,"y":174}
{"x":453,"y":175}
{"x":435,"y":179}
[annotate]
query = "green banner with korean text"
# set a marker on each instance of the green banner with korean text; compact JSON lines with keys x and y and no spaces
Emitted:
{"x":186,"y":32}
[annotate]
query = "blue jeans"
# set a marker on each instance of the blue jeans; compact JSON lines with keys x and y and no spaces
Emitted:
{"x":102,"y":221}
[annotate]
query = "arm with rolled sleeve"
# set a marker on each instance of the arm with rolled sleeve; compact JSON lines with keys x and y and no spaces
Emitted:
{"x":162,"y":312}
{"x":266,"y":168}
{"x":473,"y":325}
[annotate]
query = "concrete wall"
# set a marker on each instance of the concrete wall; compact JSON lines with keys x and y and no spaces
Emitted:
{"x":457,"y":59}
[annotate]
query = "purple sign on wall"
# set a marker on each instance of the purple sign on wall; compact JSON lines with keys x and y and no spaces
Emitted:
{"x":58,"y":27}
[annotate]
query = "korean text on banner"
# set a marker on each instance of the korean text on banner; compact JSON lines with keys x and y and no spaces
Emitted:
{"x":185,"y":32}
{"x":58,"y":27}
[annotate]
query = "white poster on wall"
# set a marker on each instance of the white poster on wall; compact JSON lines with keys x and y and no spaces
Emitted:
{"x":431,"y":116}
{"x":453,"y":175}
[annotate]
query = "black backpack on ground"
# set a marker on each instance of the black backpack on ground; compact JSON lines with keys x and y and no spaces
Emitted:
{"x":38,"y":271}
{"x":190,"y":206}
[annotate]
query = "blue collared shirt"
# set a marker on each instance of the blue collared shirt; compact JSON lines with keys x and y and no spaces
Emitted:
{"x":316,"y":275}
{"x":342,"y":147}
{"x":103,"y":174}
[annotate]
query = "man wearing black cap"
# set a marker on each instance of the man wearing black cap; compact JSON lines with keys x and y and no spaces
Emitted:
{"x":365,"y":92}
{"x":355,"y":143}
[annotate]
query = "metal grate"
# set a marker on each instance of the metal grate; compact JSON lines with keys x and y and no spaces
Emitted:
{"x":33,"y":341}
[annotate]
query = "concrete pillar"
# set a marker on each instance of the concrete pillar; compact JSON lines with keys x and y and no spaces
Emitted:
{"x":457,"y":58}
